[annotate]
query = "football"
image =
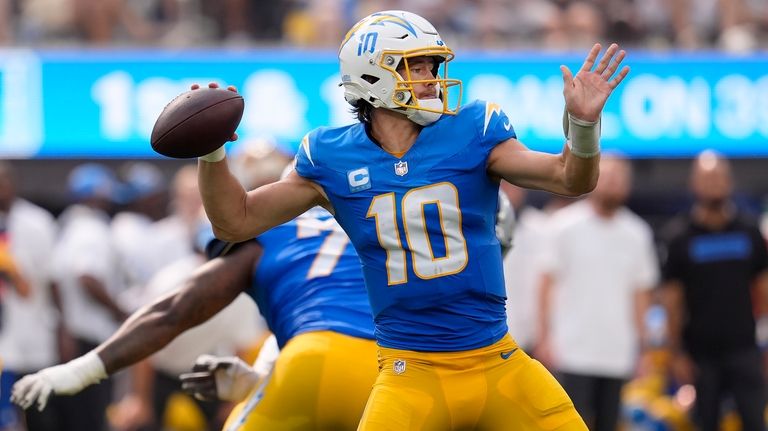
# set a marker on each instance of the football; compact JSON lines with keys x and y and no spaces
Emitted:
{"x":197,"y":122}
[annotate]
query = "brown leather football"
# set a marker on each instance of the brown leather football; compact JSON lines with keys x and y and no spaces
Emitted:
{"x":197,"y":122}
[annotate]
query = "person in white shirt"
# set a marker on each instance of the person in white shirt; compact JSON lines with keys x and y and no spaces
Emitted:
{"x":522,"y":264}
{"x":144,"y":200}
{"x":86,"y":272}
{"x":598,"y":271}
{"x":28,"y":321}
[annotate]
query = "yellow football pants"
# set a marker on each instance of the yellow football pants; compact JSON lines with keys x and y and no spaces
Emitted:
{"x":494,"y":388}
{"x":321,"y":381}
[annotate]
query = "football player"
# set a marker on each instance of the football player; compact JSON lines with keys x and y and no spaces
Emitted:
{"x":307,"y":282}
{"x":414,"y":185}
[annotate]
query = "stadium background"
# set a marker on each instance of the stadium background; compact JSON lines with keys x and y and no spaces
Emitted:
{"x":85,"y":79}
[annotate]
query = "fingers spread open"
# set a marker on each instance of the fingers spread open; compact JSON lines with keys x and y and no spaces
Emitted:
{"x":620,"y":77}
{"x":591,"y":57}
{"x":606,"y":59}
{"x":615,"y":62}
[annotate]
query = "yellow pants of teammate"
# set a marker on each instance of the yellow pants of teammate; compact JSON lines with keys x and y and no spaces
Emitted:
{"x":494,"y":388}
{"x":321,"y":381}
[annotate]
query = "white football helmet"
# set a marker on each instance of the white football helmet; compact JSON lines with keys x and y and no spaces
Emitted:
{"x":373,"y":50}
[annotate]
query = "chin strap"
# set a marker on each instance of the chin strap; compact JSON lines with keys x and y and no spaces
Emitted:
{"x":422,"y":117}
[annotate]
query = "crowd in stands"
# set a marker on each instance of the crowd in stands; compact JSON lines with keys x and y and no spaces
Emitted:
{"x":732,"y":25}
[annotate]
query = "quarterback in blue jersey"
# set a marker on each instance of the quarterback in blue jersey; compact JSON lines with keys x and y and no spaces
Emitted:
{"x":414,"y":185}
{"x":307,"y":282}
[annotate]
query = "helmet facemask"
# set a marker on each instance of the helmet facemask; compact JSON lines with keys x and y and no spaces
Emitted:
{"x":428,"y":110}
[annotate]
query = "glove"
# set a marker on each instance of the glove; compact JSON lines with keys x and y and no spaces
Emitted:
{"x":220,"y":378}
{"x":65,"y":379}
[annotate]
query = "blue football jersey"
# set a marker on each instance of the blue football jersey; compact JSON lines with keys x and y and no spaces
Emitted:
{"x":423,"y":225}
{"x":309,"y":279}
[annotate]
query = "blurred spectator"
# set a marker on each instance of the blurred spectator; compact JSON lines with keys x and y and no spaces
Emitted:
{"x":145,"y":202}
{"x":701,"y":23}
{"x":28,"y":319}
{"x":246,"y":20}
{"x":173,"y":236}
{"x":522,"y":264}
{"x":45,"y":21}
{"x":98,"y":21}
{"x":146,"y":245}
{"x":317,"y":23}
{"x":577,"y":24}
{"x":85,"y":268}
{"x":598,"y":272}
{"x":714,"y":257}
{"x":6,"y":22}
{"x":187,"y":24}
{"x":257,"y":162}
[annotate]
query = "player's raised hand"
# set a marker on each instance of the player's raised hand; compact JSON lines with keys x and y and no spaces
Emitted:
{"x":586,"y":93}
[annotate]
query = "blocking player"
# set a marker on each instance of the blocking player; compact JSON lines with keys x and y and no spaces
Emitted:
{"x":414,"y":185}
{"x":308,"y":285}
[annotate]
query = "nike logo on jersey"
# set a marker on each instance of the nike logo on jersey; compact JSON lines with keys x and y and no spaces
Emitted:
{"x":507,"y":125}
{"x":506,"y":355}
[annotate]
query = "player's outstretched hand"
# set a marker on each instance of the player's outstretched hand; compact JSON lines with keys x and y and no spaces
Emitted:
{"x":34,"y":388}
{"x":39,"y":386}
{"x":219,"y":378}
{"x":586,"y":93}
{"x":64,"y":379}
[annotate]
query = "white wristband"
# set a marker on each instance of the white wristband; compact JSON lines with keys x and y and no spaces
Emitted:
{"x":89,"y":368}
{"x":214,"y":156}
{"x":76,"y":374}
{"x":583,"y":137}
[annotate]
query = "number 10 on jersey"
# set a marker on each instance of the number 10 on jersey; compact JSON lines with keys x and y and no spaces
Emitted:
{"x":426,"y":266}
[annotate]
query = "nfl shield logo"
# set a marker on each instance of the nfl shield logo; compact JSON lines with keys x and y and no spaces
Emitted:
{"x":401,"y":168}
{"x":399,"y":366}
